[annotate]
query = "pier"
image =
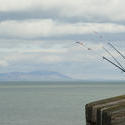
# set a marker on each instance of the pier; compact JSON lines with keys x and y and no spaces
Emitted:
{"x":109,"y":111}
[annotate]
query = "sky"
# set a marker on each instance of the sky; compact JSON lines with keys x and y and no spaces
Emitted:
{"x":40,"y":35}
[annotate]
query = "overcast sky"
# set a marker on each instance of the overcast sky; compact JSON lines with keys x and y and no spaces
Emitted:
{"x":40,"y":35}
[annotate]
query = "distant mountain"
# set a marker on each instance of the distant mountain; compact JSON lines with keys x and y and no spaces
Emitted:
{"x":33,"y":76}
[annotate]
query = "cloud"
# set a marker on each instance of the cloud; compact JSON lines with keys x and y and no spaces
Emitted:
{"x":96,"y":10}
{"x":74,"y":61}
{"x":36,"y":52}
{"x":53,"y":51}
{"x":49,"y":28}
{"x":63,"y":56}
{"x":41,"y":35}
{"x":3,"y":63}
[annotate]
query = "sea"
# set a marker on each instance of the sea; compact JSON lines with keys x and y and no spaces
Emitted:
{"x":51,"y":103}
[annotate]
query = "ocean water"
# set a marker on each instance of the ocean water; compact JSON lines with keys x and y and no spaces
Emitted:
{"x":51,"y":103}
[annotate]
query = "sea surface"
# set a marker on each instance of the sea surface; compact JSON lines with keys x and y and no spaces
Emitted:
{"x":51,"y":103}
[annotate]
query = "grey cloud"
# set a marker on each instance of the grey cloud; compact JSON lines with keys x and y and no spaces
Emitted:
{"x":52,"y":14}
{"x":77,"y":10}
{"x":49,"y":14}
{"x":29,"y":14}
{"x":55,"y":14}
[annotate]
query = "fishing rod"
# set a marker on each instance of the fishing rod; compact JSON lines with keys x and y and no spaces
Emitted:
{"x":83,"y":45}
{"x":118,"y":65}
{"x":113,"y":64}
{"x":114,"y":58}
{"x":117,"y":51}
{"x":100,"y":36}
